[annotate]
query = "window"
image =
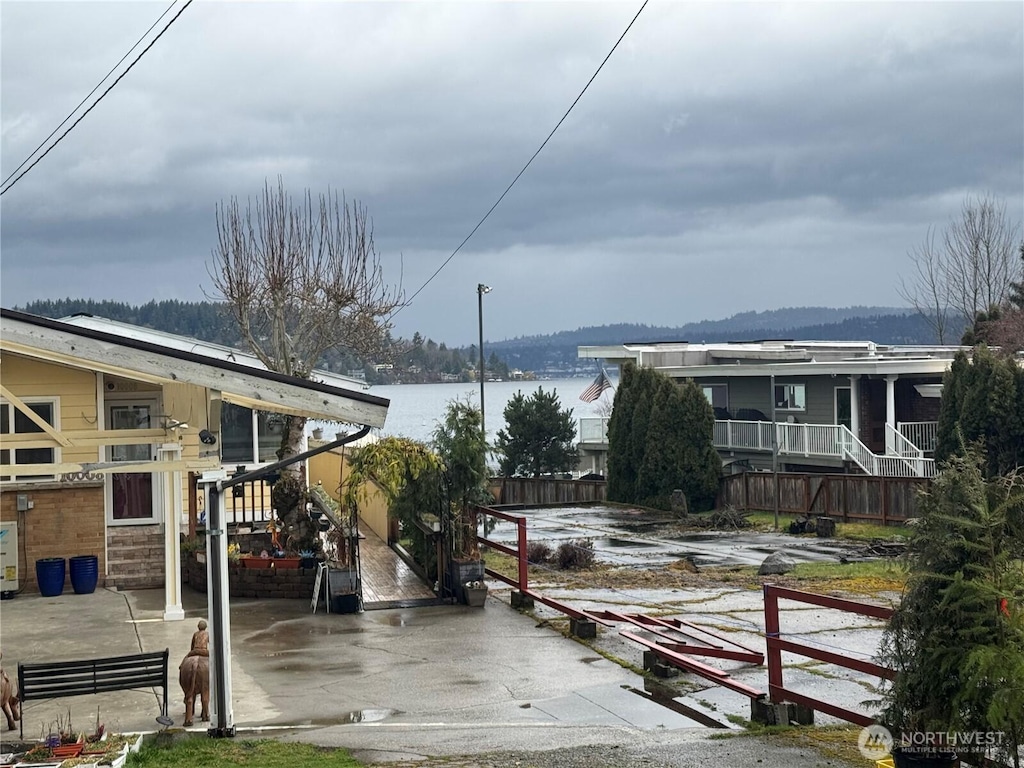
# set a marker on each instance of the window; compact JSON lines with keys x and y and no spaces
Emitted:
{"x":717,"y":394}
{"x":790,"y":397}
{"x":14,"y":422}
{"x":249,"y":436}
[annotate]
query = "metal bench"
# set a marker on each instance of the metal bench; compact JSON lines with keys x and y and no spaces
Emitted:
{"x":56,"y":679}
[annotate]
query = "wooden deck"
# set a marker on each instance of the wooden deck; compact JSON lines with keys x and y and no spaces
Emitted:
{"x":387,"y":581}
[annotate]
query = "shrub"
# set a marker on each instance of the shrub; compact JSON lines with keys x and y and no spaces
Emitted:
{"x":575,"y":553}
{"x":538,"y":552}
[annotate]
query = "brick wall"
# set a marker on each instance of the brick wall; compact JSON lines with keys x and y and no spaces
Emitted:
{"x":67,"y":519}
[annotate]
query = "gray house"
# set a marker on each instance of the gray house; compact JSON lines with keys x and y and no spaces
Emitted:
{"x":829,"y":406}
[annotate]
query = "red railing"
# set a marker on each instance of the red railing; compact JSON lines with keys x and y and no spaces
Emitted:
{"x":777,"y":692}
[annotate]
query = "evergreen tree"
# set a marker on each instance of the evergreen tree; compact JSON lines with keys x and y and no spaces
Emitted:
{"x":539,"y":438}
{"x":983,"y":400}
{"x":680,"y":453}
{"x":621,"y":472}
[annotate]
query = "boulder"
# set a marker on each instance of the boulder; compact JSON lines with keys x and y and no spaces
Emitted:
{"x":776,"y":563}
{"x":677,"y":502}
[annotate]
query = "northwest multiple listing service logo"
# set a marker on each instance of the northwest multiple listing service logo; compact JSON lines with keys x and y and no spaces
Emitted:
{"x":875,"y":742}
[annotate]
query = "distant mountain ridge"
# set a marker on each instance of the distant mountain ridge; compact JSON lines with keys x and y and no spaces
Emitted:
{"x":553,"y":353}
{"x":747,"y":325}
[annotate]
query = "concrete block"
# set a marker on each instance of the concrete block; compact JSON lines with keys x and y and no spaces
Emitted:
{"x":657,"y":667}
{"x":583,"y":628}
{"x":767,"y":712}
{"x":521,"y":601}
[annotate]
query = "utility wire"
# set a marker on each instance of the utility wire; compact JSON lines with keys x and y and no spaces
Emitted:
{"x":7,"y":188}
{"x":96,"y":88}
{"x":523,"y":170}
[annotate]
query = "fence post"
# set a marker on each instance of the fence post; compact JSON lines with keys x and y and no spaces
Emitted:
{"x":521,"y":544}
{"x":771,"y":632}
{"x":885,"y":501}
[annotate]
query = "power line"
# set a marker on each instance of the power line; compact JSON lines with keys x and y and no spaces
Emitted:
{"x":95,"y":88}
{"x":523,"y":170}
{"x":6,"y":189}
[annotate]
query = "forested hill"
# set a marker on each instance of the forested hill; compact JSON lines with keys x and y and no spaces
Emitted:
{"x":551,"y":353}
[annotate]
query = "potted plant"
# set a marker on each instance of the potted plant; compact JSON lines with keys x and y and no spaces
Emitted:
{"x":459,"y":441}
{"x":956,"y":640}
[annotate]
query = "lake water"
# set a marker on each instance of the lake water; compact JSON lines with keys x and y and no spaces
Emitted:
{"x":416,"y":408}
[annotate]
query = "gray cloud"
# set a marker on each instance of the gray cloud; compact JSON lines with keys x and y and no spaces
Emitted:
{"x":731,"y":156}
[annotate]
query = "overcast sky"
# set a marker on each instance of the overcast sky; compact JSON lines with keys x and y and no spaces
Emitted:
{"x":729,"y":157}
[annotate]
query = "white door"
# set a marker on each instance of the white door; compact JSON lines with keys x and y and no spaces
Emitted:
{"x":131,"y":493}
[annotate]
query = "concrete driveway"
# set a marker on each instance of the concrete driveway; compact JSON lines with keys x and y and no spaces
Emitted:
{"x":391,"y":685}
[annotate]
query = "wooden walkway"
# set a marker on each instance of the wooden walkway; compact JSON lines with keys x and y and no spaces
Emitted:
{"x":387,"y":581}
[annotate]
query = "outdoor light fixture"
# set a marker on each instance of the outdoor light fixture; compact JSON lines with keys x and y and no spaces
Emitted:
{"x":481,"y":289}
{"x":206,"y":437}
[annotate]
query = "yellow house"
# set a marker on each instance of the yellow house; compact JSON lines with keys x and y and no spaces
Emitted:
{"x":101,"y":424}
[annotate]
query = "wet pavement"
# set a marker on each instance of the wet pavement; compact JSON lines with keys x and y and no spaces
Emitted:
{"x":392,"y":685}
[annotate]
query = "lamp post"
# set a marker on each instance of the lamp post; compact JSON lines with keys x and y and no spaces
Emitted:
{"x":481,"y":289}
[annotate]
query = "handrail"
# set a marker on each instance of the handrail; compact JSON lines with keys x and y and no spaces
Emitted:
{"x":923,"y":434}
{"x":834,"y":441}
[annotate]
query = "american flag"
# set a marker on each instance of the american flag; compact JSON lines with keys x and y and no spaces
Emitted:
{"x":591,"y":393}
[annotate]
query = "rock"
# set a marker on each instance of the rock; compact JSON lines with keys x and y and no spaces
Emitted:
{"x":684,"y":564}
{"x":775,"y":563}
{"x":677,"y":502}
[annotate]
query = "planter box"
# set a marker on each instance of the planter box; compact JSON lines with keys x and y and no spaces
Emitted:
{"x":285,"y":562}
{"x":476,"y":597}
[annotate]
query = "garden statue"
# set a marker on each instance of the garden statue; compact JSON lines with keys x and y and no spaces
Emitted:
{"x":9,"y":702}
{"x":194,"y":675}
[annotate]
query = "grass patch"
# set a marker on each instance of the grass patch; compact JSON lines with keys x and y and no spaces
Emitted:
{"x":264,"y":753}
{"x":859,"y":531}
{"x":865,"y":578}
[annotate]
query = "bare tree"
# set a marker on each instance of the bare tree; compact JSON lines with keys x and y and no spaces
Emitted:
{"x":926,"y":291}
{"x":973,"y":269}
{"x":301,"y":277}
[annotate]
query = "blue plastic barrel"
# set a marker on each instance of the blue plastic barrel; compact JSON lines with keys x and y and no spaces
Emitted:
{"x":85,"y":572}
{"x":50,"y":576}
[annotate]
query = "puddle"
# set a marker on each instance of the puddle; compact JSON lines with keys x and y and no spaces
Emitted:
{"x":357,"y":716}
{"x":622,"y":543}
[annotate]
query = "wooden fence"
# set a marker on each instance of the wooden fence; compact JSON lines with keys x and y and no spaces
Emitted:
{"x":882,"y":500}
{"x":542,"y":491}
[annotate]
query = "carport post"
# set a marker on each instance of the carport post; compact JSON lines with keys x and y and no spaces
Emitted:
{"x":219,"y":610}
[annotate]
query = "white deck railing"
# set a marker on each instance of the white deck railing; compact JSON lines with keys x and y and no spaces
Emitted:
{"x":921,"y":433}
{"x":831,"y":441}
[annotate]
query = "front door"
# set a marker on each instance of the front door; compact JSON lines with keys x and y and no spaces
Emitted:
{"x":843,"y":407}
{"x":131,"y":493}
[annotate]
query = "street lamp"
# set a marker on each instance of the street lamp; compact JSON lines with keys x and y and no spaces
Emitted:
{"x":481,"y":289}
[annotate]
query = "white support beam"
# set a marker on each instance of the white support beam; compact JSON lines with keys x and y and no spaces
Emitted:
{"x":890,"y":413}
{"x":170,"y":483}
{"x":34,"y":417}
{"x":111,"y":467}
{"x":87,"y":438}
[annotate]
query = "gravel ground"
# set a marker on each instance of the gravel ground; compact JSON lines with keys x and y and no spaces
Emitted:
{"x":740,"y":752}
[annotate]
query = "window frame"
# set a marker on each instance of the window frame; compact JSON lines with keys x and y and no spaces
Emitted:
{"x":265,"y":431}
{"x":55,"y":454}
{"x":709,"y":389}
{"x":791,"y":389}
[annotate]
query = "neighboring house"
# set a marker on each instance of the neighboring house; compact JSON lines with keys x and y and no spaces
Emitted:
{"x":837,"y":406}
{"x":105,"y":427}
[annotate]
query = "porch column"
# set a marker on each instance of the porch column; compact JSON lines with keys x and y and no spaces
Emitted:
{"x":855,"y":404}
{"x":170,"y":483}
{"x":890,"y":412}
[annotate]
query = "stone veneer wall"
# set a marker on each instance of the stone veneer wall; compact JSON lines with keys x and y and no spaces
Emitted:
{"x":66,"y":519}
{"x":135,"y":556}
